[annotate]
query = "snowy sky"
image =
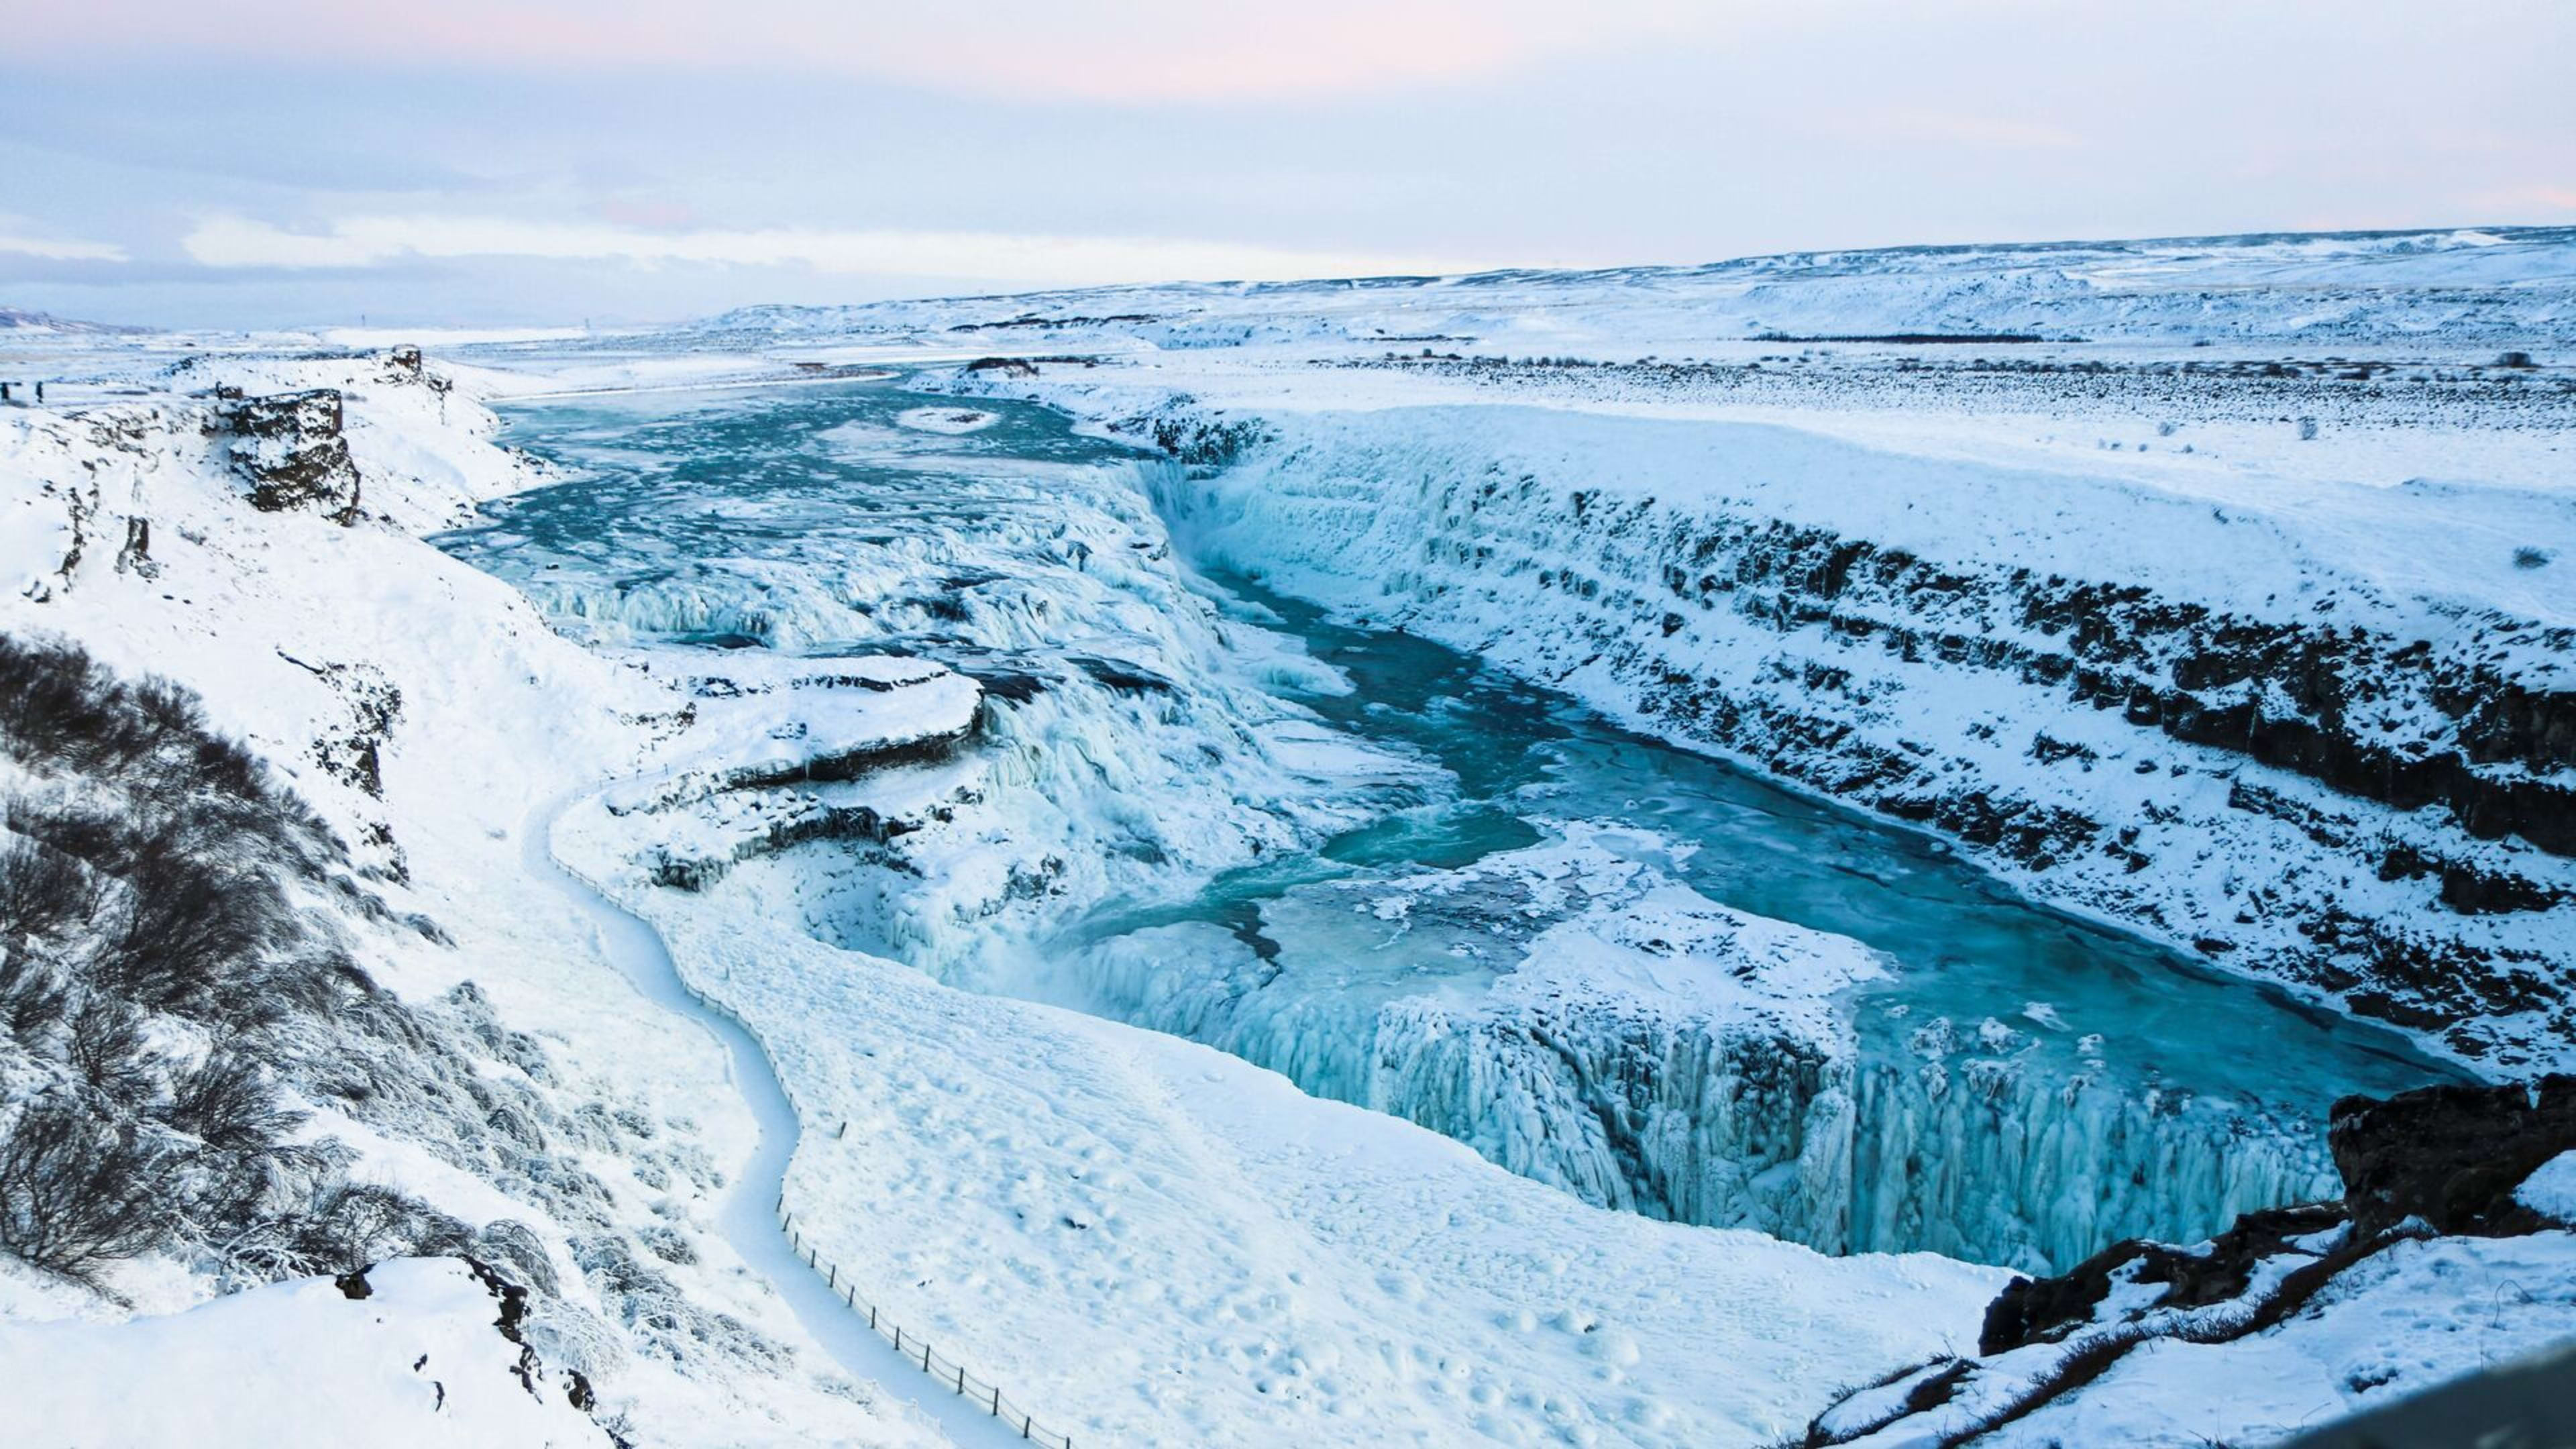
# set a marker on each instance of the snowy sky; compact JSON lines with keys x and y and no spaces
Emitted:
{"x":240,"y":162}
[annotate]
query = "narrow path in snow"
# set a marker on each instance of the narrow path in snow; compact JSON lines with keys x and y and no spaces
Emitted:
{"x":746,"y":1216}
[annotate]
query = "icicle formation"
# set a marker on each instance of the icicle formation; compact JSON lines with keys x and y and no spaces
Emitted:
{"x":1578,"y":1018}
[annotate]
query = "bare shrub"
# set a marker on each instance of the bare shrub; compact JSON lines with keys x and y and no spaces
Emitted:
{"x":512,"y":1244}
{"x":33,"y":997}
{"x":227,"y":1103}
{"x":108,"y":1054}
{"x":353,"y":1226}
{"x":43,"y":893}
{"x":188,"y":927}
{"x":78,"y":1192}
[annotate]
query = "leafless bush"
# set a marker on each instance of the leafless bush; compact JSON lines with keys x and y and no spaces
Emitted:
{"x":76,"y":1191}
{"x":32,"y":996}
{"x":353,"y":1226}
{"x":43,"y":894}
{"x":227,"y":1103}
{"x":188,"y":926}
{"x":108,"y":1054}
{"x":514,"y":1245}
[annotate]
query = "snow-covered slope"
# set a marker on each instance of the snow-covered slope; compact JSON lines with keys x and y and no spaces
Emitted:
{"x":413,"y":1357}
{"x":424,"y":710}
{"x":1151,"y":1241}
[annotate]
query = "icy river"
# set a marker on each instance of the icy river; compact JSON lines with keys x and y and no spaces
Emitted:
{"x":1474,"y":902}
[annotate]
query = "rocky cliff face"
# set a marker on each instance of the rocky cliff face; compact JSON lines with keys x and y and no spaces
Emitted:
{"x":2410,"y":724}
{"x":2190,"y":718}
{"x":291,"y":449}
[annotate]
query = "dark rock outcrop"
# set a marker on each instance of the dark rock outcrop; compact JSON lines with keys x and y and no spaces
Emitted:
{"x":291,"y":449}
{"x":2439,"y":1161}
{"x":2046,"y":1309}
{"x":2450,"y":1155}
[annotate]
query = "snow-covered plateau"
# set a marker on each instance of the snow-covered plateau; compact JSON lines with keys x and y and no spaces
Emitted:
{"x":1594,"y":858}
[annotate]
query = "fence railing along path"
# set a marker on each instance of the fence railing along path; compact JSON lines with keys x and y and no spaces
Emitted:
{"x":980,"y":1395}
{"x":948,"y":1373}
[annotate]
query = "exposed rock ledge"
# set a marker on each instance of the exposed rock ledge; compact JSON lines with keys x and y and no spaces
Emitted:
{"x":2441,"y":1227}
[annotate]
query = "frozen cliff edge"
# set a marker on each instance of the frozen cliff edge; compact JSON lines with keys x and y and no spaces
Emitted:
{"x":1148,"y":1239}
{"x":2316,"y":733}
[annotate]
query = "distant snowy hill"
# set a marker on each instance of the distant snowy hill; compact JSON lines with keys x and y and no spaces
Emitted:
{"x":2465,"y":287}
{"x":13,"y":319}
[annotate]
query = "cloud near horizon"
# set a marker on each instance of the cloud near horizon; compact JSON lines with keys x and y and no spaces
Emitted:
{"x":54,"y":249}
{"x":368,"y":241}
{"x":523,"y":161}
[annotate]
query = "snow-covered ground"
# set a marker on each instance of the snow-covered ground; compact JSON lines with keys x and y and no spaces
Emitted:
{"x":416,"y":1360}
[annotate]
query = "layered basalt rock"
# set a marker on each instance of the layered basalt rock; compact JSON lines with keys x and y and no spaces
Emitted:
{"x":2368,"y":713}
{"x":2450,"y":1156}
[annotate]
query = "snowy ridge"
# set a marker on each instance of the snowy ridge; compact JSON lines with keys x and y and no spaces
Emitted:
{"x":414,"y":1361}
{"x":2493,"y":287}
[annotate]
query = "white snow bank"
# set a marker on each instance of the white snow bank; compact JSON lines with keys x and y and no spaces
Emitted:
{"x":2551,"y":1189}
{"x":1154,"y":1242}
{"x":417,"y":1363}
{"x":2416,"y":1315}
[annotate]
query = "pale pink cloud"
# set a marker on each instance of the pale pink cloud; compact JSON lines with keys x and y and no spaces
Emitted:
{"x":1101,"y":50}
{"x":2537,"y":196}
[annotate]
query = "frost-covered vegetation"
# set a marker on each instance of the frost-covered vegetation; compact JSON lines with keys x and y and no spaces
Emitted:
{"x":170,"y":986}
{"x":183,"y":988}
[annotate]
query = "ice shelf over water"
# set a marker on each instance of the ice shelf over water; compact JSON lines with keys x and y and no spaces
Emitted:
{"x":1408,"y":882}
